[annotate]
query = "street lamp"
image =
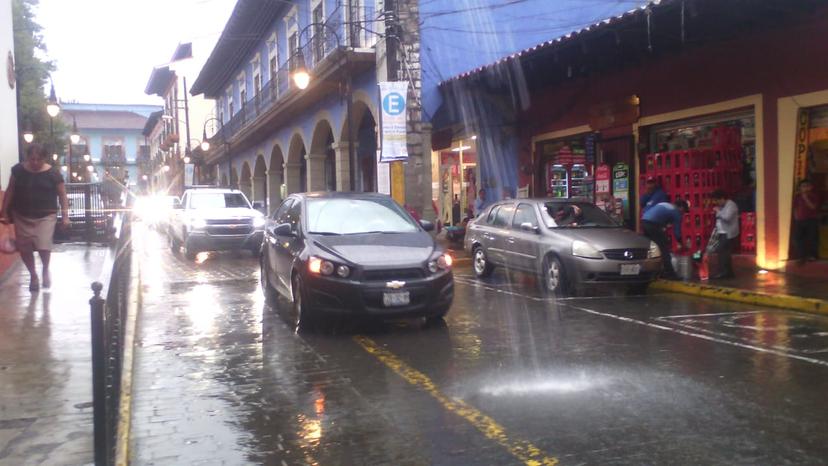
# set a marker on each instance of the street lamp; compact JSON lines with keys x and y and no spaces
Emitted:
{"x":28,"y":135}
{"x":302,"y":78}
{"x":53,"y":107}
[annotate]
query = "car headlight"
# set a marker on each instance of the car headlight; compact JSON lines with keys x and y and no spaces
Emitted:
{"x":584,"y":249}
{"x":259,"y":222}
{"x":198,"y":223}
{"x":443,"y":262}
{"x":654,"y":251}
{"x":343,"y":271}
{"x":325,"y":267}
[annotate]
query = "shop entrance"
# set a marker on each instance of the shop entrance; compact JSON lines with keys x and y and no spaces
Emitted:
{"x":617,"y":155}
{"x":809,"y":228}
{"x":691,"y":159}
{"x":458,"y":184}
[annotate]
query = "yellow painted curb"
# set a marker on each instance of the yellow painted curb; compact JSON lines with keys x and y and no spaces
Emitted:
{"x":796,"y":303}
{"x":125,"y":405}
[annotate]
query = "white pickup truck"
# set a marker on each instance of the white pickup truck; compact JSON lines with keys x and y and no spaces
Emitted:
{"x":215,"y":219}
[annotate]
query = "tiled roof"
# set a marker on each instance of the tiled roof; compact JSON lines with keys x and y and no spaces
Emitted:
{"x":105,"y":120}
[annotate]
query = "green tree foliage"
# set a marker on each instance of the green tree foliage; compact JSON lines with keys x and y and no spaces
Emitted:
{"x":32,"y":75}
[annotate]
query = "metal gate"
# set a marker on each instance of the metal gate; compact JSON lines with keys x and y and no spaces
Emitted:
{"x":91,"y":213}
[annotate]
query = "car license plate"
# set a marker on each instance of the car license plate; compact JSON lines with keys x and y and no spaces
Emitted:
{"x":396,"y":299}
{"x":630,"y":269}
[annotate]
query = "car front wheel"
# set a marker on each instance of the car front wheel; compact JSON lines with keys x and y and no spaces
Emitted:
{"x":482,"y":267}
{"x":554,"y":277}
{"x":305,"y":320}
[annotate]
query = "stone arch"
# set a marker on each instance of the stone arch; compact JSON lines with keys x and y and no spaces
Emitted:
{"x":246,"y":181}
{"x":296,"y":166}
{"x":260,"y":181}
{"x":364,"y":120}
{"x":223,"y":179}
{"x":276,"y":178}
{"x":322,"y":169}
{"x":234,"y":178}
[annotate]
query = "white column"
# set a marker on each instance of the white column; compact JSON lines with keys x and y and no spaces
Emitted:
{"x":343,"y":165}
{"x":316,"y":171}
{"x":293,"y":174}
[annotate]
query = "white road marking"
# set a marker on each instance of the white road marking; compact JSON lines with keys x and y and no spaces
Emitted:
{"x":703,"y":337}
{"x":714,"y":314}
{"x":714,"y":339}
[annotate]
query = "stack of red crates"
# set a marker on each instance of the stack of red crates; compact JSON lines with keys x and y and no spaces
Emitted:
{"x":693,"y":175}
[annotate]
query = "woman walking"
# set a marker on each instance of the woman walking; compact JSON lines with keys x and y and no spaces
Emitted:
{"x":30,"y":204}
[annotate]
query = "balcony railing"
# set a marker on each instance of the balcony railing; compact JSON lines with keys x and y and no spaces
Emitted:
{"x":314,"y":51}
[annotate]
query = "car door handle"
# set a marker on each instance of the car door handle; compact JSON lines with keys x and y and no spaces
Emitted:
{"x":510,"y":240}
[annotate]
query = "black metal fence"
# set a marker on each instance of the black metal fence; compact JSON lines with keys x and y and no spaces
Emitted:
{"x":108,"y":309}
{"x":92,"y":210}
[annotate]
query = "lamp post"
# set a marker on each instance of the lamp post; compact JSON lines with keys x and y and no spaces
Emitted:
{"x":74,"y":138}
{"x":53,"y":109}
{"x":302,"y":78}
{"x":205,"y":146}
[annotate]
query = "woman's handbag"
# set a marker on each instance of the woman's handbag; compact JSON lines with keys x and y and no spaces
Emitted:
{"x":7,"y":243}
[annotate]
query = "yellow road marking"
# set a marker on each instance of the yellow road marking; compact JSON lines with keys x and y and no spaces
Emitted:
{"x":526,"y":452}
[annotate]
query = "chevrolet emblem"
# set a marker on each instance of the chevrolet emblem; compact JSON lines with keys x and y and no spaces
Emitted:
{"x":395,"y":285}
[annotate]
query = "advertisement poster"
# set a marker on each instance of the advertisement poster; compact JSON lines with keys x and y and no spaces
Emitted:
{"x":621,"y":187}
{"x":383,"y":177}
{"x":393,"y":132}
{"x":801,"y":153}
{"x":603,"y":191}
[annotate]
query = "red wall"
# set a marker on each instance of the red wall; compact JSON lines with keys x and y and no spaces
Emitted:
{"x":777,"y":62}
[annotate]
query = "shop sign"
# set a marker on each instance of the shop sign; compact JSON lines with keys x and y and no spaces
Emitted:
{"x":620,"y":112}
{"x":801,"y":154}
{"x":602,"y":180}
{"x":589,"y":143}
{"x":393,"y":134}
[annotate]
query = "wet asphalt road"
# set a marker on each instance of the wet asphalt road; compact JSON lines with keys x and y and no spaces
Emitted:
{"x":513,"y":377}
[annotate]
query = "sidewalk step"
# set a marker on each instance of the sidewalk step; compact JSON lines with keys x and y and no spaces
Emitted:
{"x":759,"y":298}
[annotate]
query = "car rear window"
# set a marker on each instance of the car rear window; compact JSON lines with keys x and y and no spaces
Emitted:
{"x":503,"y":216}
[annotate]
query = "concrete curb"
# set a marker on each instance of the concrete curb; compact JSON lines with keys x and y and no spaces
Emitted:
{"x":796,"y":303}
{"x":125,"y":405}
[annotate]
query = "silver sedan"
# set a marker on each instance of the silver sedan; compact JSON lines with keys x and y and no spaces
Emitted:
{"x":569,"y":244}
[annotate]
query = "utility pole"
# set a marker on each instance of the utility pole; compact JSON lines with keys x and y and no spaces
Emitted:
{"x":392,"y":44}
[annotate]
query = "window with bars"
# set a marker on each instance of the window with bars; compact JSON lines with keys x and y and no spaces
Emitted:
{"x":274,"y":74}
{"x":293,"y":47}
{"x":318,"y":33}
{"x":354,"y":23}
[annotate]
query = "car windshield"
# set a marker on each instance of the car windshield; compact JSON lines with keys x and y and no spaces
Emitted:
{"x":576,"y":215}
{"x":355,"y":216}
{"x":218,"y":201}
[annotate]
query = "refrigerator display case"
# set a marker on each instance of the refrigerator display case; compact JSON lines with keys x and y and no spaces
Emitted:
{"x":581,"y":183}
{"x":557,"y":185}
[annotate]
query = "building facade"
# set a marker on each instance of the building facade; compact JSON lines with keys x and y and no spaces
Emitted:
{"x":735,"y":99}
{"x":176,"y":144}
{"x":111,"y":136}
{"x":9,"y":138}
{"x":271,"y":138}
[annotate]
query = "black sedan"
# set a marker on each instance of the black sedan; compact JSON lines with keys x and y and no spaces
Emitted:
{"x":353,"y":254}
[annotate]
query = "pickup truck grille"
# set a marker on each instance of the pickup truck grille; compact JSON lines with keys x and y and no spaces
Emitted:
{"x":229,"y":226}
{"x":231,"y":221}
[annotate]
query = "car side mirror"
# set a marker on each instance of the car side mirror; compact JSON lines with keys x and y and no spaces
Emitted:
{"x":284,"y":229}
{"x":177,"y":204}
{"x":526,"y":226}
{"x":427,"y":226}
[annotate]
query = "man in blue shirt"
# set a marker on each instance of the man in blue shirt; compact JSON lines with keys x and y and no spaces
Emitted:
{"x":654,"y":195}
{"x":655,"y":220}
